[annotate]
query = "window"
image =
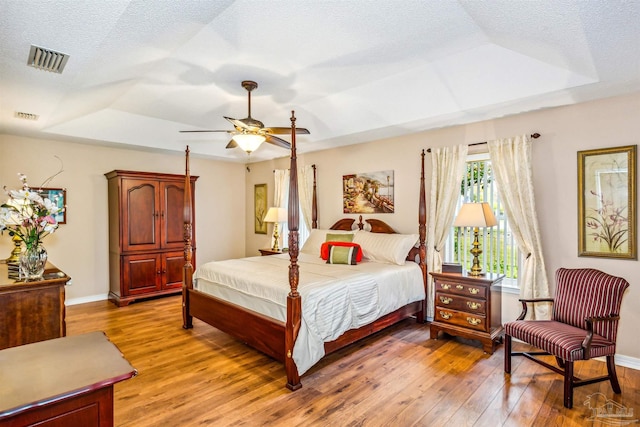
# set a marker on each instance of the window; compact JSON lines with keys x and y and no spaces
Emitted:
{"x":500,"y":253}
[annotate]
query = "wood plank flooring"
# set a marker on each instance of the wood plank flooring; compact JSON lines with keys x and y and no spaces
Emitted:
{"x":398,"y":377}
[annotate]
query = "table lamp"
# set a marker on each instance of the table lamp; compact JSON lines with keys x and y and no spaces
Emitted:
{"x":475,"y":215}
{"x":276,"y":216}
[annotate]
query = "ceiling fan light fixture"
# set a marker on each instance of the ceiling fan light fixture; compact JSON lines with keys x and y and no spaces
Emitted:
{"x":249,"y":142}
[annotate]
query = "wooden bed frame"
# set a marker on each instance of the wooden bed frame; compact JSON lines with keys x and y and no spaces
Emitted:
{"x":276,"y":338}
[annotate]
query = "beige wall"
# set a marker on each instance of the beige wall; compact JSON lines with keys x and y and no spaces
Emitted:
{"x":80,"y":247}
{"x":565,"y":130}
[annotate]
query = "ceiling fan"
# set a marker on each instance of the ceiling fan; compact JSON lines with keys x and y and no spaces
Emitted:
{"x":249,"y":133}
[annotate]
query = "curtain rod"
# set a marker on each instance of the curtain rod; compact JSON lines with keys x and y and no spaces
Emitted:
{"x":313,"y":166}
{"x":533,"y":135}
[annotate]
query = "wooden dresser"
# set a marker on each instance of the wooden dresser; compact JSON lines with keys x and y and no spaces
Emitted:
{"x":467,"y":307}
{"x":62,"y":382}
{"x":32,"y":311}
{"x":146,"y":234}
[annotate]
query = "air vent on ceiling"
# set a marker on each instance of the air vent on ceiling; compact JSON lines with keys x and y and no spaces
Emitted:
{"x":47,"y":59}
{"x":26,"y":116}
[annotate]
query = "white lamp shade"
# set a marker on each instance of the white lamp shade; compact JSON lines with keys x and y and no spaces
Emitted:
{"x":276,"y":215}
{"x":475,"y":215}
{"x":248,"y":141}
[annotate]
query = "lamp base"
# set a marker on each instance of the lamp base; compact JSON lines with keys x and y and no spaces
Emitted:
{"x":276,"y":237}
{"x":15,"y":253}
{"x":476,"y":270}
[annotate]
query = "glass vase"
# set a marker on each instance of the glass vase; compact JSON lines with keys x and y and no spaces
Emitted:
{"x":32,"y":262}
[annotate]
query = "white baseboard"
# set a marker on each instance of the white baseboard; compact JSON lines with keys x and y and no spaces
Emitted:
{"x":627,"y":361}
{"x":82,"y":300}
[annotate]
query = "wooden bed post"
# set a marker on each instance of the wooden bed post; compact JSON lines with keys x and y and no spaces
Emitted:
{"x":294,"y":305}
{"x":187,"y":272}
{"x":314,"y":202}
{"x":422,"y":230}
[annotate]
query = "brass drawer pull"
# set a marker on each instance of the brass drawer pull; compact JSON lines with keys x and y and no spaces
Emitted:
{"x":445,"y":286}
{"x":446,"y":300}
{"x":445,"y":315}
{"x":459,"y":287}
{"x":473,"y":321}
{"x":474,"y":305}
{"x":474,"y":290}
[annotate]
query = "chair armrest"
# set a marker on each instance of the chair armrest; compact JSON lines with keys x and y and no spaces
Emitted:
{"x":524,"y":302}
{"x":586,"y":343}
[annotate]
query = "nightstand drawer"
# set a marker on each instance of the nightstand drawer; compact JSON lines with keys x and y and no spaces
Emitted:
{"x":460,"y":318}
{"x":464,"y":289}
{"x":457,"y":302}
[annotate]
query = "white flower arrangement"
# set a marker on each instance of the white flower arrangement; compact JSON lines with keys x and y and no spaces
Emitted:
{"x":28,"y":215}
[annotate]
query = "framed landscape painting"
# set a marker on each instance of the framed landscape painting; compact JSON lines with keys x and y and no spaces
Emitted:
{"x":607,"y":202}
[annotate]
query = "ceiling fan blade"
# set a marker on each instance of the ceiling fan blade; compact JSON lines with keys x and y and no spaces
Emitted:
{"x":238,"y":124}
{"x":277,"y":141}
{"x":232,"y":144}
{"x":286,"y":131}
{"x":195,"y":131}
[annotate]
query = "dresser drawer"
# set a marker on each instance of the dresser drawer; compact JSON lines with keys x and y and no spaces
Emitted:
{"x":461,"y":318}
{"x":474,"y":290}
{"x":457,"y":302}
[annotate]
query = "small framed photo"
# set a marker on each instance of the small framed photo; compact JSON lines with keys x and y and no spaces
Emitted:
{"x":607,"y":202}
{"x":59,"y":197}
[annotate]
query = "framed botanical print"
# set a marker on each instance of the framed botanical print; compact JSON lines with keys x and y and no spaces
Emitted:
{"x":607,"y":202}
{"x":260,"y":208}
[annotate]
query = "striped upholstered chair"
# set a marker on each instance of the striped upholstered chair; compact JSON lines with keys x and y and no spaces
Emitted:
{"x":584,"y":324}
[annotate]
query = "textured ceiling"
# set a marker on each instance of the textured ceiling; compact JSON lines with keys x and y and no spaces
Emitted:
{"x":353,"y":70}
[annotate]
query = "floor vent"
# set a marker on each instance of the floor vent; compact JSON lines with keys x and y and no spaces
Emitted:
{"x":26,"y":116}
{"x":47,"y":59}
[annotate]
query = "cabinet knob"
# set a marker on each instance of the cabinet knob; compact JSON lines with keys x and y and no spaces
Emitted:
{"x":474,"y":290}
{"x":445,"y":286}
{"x":158,"y":272}
{"x":446,"y":300}
{"x":460,"y":287}
{"x":445,"y":315}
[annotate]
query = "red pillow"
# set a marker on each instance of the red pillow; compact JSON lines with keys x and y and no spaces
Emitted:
{"x":324,"y":249}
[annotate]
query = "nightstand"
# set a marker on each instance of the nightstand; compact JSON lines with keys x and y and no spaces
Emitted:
{"x":268,"y":251}
{"x":467,"y":307}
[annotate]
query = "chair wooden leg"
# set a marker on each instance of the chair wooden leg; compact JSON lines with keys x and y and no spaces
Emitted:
{"x":560,"y":362}
{"x":568,"y":384}
{"x":507,"y":354}
{"x":613,"y":376}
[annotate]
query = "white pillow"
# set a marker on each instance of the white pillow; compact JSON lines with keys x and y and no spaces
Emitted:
{"x":317,"y":237}
{"x":385,"y":248}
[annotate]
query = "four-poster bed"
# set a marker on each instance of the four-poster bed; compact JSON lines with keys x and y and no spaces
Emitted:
{"x":276,"y":333}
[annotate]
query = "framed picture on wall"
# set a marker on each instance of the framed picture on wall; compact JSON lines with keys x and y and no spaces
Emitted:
{"x":260,"y":208}
{"x":59,"y":197}
{"x":607,"y":202}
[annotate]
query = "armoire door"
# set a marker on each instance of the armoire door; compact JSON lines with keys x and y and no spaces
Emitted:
{"x":140,"y":215}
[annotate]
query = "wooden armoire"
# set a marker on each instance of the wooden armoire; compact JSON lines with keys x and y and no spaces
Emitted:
{"x":146,"y":234}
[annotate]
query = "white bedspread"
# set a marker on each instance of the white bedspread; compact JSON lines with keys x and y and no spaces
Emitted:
{"x":335,"y":298}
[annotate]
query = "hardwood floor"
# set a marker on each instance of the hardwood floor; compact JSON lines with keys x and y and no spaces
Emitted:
{"x":398,"y":377}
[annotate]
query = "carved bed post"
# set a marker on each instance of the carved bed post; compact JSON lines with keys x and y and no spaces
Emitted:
{"x":422,"y":230}
{"x":187,"y":272}
{"x":294,"y":305}
{"x":314,"y":202}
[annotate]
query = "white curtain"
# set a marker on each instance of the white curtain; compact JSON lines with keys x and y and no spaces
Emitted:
{"x":281,"y":200}
{"x":305,"y":195}
{"x":447,"y":170}
{"x":511,"y":162}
